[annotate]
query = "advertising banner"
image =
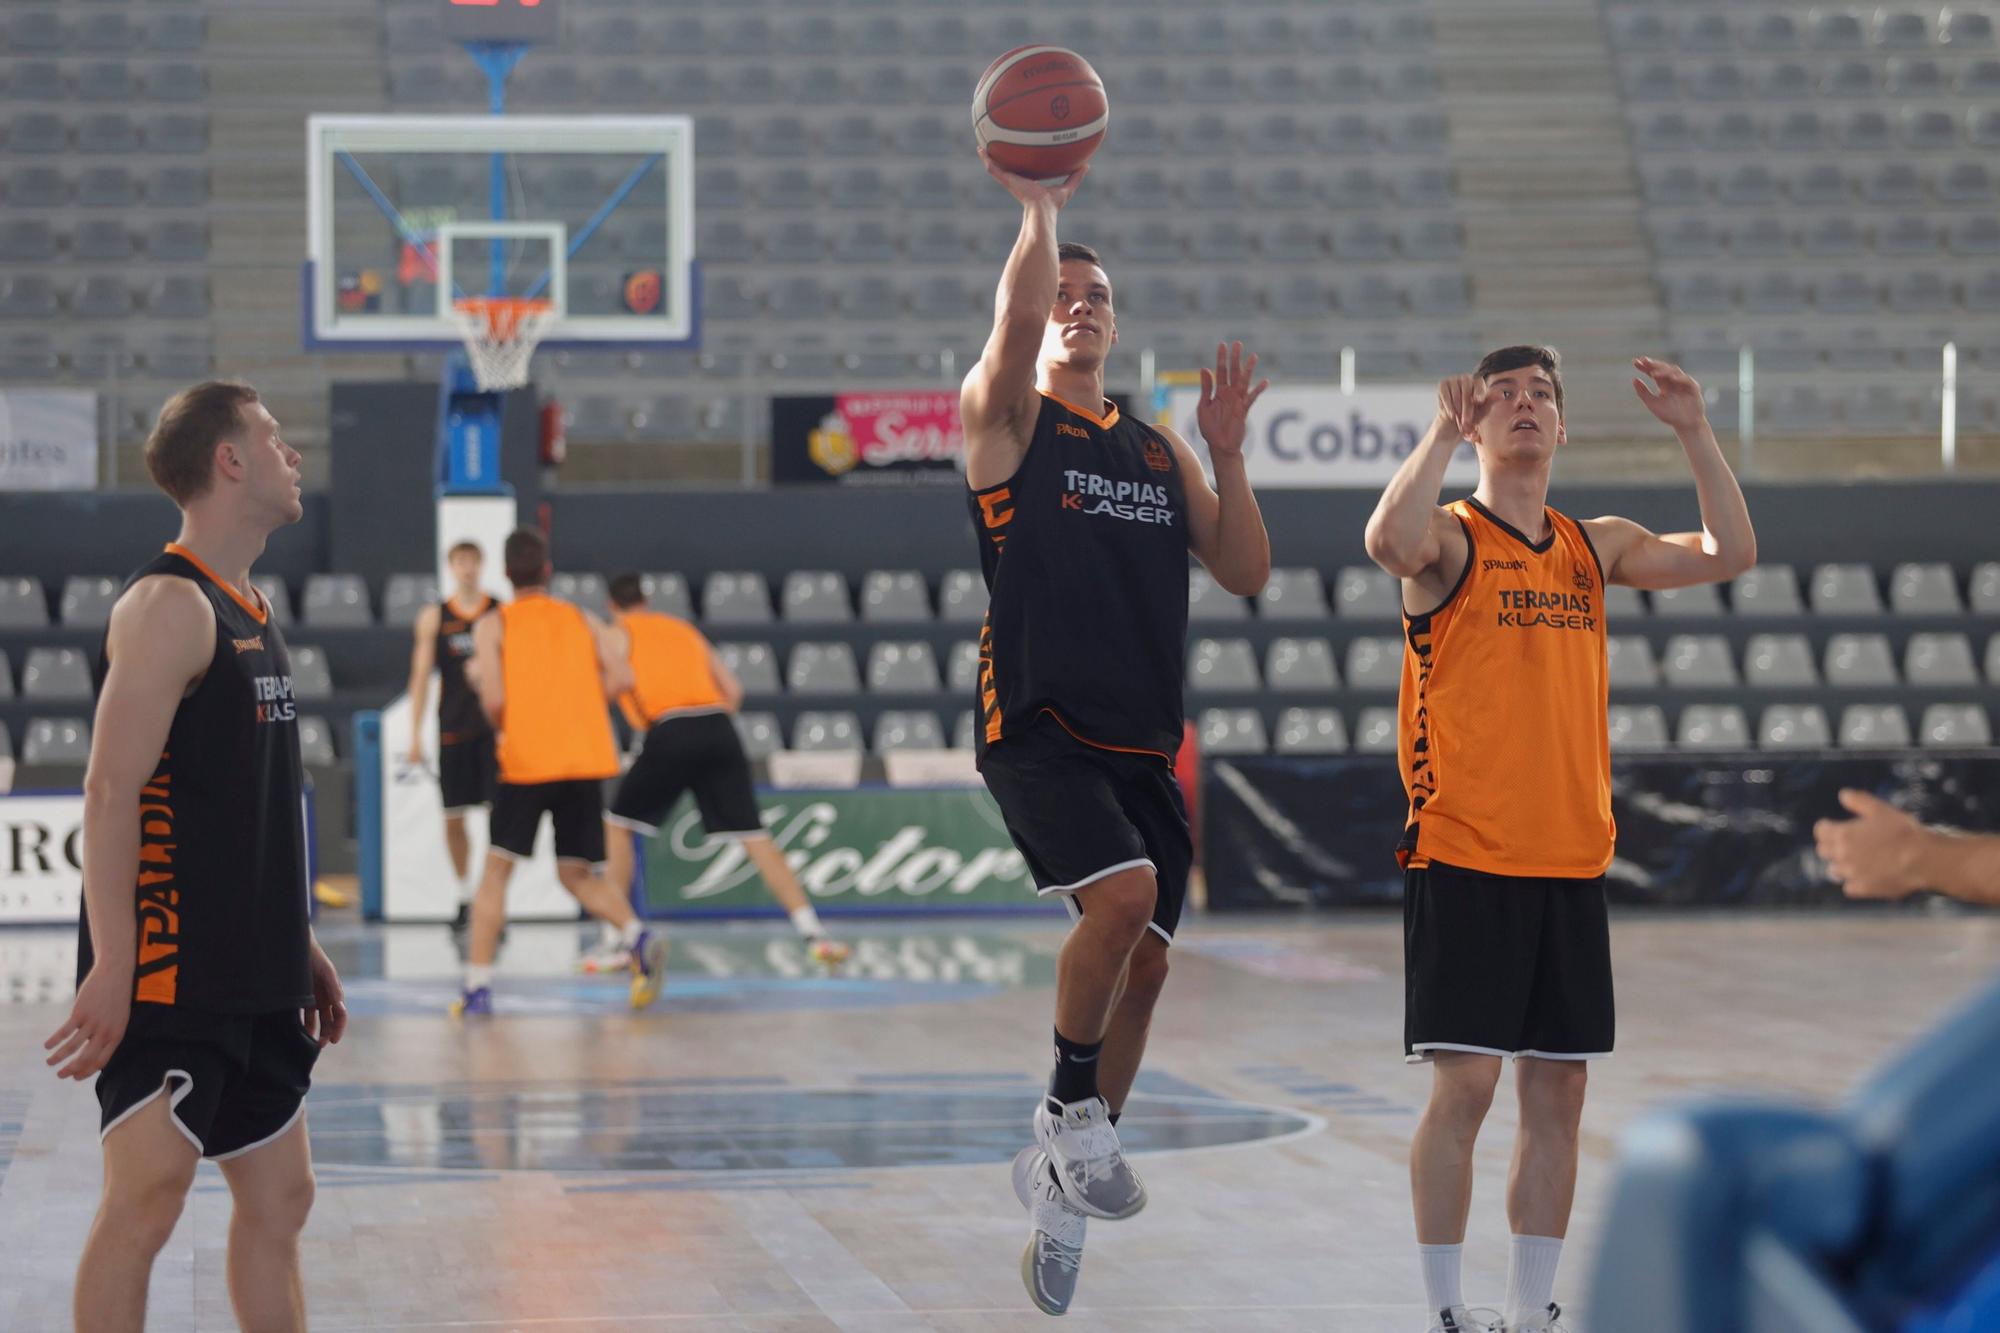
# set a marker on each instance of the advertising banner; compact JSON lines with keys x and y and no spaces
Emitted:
{"x":888,"y":849}
{"x":1693,"y":830}
{"x":48,"y":440}
{"x":1315,"y":435}
{"x":41,"y":858}
{"x":867,"y":439}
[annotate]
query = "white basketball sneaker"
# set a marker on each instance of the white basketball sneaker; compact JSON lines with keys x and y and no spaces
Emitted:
{"x":1090,"y":1168}
{"x":1549,"y":1321}
{"x":1459,"y":1319}
{"x":1055,"y":1241}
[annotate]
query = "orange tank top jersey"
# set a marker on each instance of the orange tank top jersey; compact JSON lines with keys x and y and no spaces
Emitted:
{"x":1503,"y":738}
{"x":554,"y":727}
{"x":670,"y":669}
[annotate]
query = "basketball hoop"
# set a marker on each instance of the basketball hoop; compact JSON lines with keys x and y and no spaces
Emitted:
{"x":501,"y":334}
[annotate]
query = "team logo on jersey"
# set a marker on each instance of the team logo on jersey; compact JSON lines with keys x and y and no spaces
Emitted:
{"x":255,"y":645}
{"x":1581,"y":577}
{"x":1157,"y":456}
{"x":274,"y":699}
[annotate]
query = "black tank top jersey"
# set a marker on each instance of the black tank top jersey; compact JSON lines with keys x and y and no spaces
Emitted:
{"x":460,"y":718}
{"x":222,"y":915}
{"x":1085,"y":554}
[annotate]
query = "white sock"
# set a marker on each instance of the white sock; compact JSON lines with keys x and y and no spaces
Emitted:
{"x":468,"y":889}
{"x":629,"y":933}
{"x":477,"y":975}
{"x":1441,"y":1289}
{"x":1531,"y":1278}
{"x":806,"y":921}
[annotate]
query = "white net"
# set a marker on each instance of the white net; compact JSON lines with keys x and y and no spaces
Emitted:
{"x":500,"y":338}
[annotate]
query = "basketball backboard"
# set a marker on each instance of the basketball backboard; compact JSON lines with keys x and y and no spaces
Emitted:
{"x":405,"y":214}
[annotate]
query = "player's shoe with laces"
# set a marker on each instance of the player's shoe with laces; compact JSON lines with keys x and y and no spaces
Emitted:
{"x":1055,"y":1242}
{"x":474,"y":1002}
{"x":1550,"y":1321}
{"x":829,"y":954}
{"x":649,"y":967}
{"x":1458,"y":1319}
{"x":611,"y":957}
{"x":1090,"y":1168}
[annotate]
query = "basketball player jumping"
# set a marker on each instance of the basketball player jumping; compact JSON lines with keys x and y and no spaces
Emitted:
{"x":681,"y":700}
{"x":202,"y":995}
{"x":544,"y":669}
{"x":1506,"y":757}
{"x":1085,"y":519}
{"x":465,"y":738}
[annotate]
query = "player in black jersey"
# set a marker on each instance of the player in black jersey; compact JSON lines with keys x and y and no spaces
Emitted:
{"x":1085,"y":522}
{"x":466,"y":771}
{"x":202,"y":996}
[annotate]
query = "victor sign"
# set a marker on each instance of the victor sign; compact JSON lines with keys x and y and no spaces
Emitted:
{"x":1315,"y":435}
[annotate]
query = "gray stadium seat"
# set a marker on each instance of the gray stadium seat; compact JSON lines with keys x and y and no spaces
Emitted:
{"x":27,"y":241}
{"x":1208,"y":600}
{"x":337,"y":601}
{"x":311,"y":677}
{"x":1638,"y":727}
{"x":177,"y":240}
{"x":1794,"y":727}
{"x":1901,"y":30}
{"x":1362,"y":591}
{"x":962,"y":667}
{"x":1712,"y":727}
{"x":1700,"y":600}
{"x":1859,"y":660}
{"x":58,"y":674}
{"x":964,"y":730}
{"x":179,"y":187}
{"x":1955,"y":726}
{"x":1766,"y":590}
{"x":1874,"y":727}
{"x":315,"y":742}
{"x":667,"y":593}
{"x":1775,"y":661}
{"x":902,"y":668}
{"x":1311,"y":731}
{"x":898,"y":730}
{"x":826,"y":731}
{"x":760,"y":734}
{"x":1845,"y":590}
{"x":1698,"y":661}
{"x":108,"y":132}
{"x":277,"y":600}
{"x":1939,"y":660}
{"x":1374,"y":663}
{"x":1231,"y":731}
{"x":6,"y":677}
{"x":101,"y":296}
{"x":894,"y":597}
{"x":1923,"y":590}
{"x":405,"y":597}
{"x":823,"y":668}
{"x":1621,"y":601}
{"x":1375,"y":731}
{"x":1984,"y":588}
{"x":179,"y":298}
{"x":816,"y":597}
{"x":87,"y":600}
{"x":104,"y":81}
{"x":1630,"y":662}
{"x":177,"y":32}
{"x":1300,"y":665}
{"x":56,"y":740}
{"x":961,"y":596}
{"x":735,"y":598}
{"x":1965,"y":29}
{"x":1222,"y":664}
{"x":754,"y":665}
{"x":585,"y":590}
{"x":37,"y":132}
{"x":1993,"y":660}
{"x":32,"y":186}
{"x":177,"y":83}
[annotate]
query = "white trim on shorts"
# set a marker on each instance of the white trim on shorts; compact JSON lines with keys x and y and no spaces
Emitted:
{"x":174,"y":1101}
{"x":283,"y":1130}
{"x":630,"y":825}
{"x":1076,"y":914}
{"x":506,"y":855}
{"x":1088,"y":880}
{"x":458,"y":811}
{"x":727,"y":835}
{"x":1422,"y":1052}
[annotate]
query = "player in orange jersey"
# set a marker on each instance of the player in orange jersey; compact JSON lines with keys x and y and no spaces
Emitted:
{"x":1506,"y":757}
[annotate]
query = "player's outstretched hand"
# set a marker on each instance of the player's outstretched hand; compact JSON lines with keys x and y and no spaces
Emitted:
{"x":326,"y":1021}
{"x":1872,"y":855}
{"x":1226,"y":399}
{"x":1031,"y":191}
{"x":95,"y":1026}
{"x":1462,"y":401}
{"x":1677,"y":398}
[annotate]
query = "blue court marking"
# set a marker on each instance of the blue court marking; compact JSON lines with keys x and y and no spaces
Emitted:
{"x":13,"y":1118}
{"x":602,"y":997}
{"x":1313,"y":1089}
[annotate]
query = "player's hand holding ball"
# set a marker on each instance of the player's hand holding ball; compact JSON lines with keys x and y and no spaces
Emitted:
{"x":1038,"y":113}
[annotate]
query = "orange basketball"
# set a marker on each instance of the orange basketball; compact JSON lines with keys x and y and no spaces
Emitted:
{"x":1040,"y":111}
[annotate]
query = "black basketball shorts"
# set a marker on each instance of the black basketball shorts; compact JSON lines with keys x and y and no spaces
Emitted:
{"x":1499,"y":965}
{"x":467,"y":774}
{"x":233,"y":1082}
{"x":1079,"y":813}
{"x":699,"y":752}
{"x":575,"y":807}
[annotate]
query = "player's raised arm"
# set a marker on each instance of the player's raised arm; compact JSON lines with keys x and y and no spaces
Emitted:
{"x":1726,"y":544}
{"x":1409,"y":535}
{"x":162,"y":636}
{"x":423,"y":659}
{"x":1225,"y":527}
{"x":996,"y":404}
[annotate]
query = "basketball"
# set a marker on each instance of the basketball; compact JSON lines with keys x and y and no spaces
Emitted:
{"x":1040,"y":111}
